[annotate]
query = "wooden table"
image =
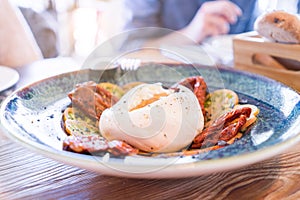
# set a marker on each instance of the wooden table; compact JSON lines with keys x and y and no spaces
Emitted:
{"x":27,"y":175}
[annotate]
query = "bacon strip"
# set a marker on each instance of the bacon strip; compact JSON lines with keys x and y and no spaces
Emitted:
{"x":223,"y":129}
{"x":92,"y":99}
{"x":198,"y":86}
{"x":89,"y":144}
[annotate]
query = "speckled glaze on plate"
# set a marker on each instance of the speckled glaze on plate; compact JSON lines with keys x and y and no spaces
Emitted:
{"x":32,"y":117}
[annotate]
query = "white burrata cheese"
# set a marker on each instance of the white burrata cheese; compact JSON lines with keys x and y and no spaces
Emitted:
{"x":154,"y":119}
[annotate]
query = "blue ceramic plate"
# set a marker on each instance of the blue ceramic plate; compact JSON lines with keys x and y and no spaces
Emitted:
{"x":32,"y":117}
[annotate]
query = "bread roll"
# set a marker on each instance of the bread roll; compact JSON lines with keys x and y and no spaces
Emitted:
{"x":279,"y":26}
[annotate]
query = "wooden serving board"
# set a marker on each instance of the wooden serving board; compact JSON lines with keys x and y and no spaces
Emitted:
{"x":254,"y":54}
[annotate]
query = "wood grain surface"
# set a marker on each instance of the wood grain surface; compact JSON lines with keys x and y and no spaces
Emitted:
{"x":253,"y":54}
{"x":26,"y":175}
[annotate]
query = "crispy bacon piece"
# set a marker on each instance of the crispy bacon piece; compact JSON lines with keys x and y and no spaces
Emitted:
{"x":198,"y":86}
{"x":223,"y":128}
{"x":119,"y":148}
{"x":85,"y":144}
{"x":92,"y":99}
{"x":89,"y":144}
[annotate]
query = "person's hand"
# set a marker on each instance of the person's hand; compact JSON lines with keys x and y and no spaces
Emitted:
{"x":213,"y":18}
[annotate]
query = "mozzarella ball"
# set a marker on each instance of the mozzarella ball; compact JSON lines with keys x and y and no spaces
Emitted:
{"x":154,"y":119}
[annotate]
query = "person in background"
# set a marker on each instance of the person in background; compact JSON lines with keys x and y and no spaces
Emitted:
{"x":18,"y":45}
{"x":44,"y":27}
{"x":170,"y":23}
{"x":25,"y":36}
{"x":196,"y":19}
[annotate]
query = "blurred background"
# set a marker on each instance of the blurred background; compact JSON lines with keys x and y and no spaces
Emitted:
{"x":78,"y":26}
